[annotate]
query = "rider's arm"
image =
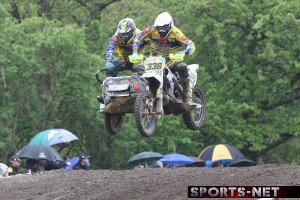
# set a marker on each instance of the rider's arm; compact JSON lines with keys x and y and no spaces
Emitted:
{"x":111,"y":48}
{"x":141,"y":47}
{"x":184,"y":41}
{"x":140,"y":38}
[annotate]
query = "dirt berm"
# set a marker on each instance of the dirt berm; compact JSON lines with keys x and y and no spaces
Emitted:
{"x":141,"y":184}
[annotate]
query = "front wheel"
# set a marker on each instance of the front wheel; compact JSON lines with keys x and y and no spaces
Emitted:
{"x":113,"y":122}
{"x":143,"y":113}
{"x":194,"y":119}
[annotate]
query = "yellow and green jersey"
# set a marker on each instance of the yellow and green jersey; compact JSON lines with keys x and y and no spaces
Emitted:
{"x":122,"y":49}
{"x":163,"y":47}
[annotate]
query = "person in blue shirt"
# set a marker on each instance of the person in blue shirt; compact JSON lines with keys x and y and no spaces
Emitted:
{"x":83,"y":163}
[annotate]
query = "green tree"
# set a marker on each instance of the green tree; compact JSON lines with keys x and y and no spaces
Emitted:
{"x":248,"y":53}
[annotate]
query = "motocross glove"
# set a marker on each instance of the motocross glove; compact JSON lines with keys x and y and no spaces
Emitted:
{"x":179,"y":56}
{"x":136,"y":58}
{"x":109,"y":66}
{"x":181,"y":52}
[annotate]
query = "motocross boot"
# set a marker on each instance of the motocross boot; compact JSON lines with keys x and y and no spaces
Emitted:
{"x":187,"y":95}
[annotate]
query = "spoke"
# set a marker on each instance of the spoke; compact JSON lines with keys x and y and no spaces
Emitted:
{"x":197,"y":112}
{"x":146,"y":117}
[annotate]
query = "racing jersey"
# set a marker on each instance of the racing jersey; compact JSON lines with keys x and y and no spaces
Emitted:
{"x":163,"y":47}
{"x":123,"y":50}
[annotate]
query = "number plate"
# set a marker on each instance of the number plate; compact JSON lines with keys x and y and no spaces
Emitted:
{"x":154,"y":64}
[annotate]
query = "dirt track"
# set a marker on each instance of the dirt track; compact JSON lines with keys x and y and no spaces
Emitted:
{"x":140,"y":184}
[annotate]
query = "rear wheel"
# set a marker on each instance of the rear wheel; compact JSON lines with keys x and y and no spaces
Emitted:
{"x":113,"y":122}
{"x":143,"y":113}
{"x":194,"y":119}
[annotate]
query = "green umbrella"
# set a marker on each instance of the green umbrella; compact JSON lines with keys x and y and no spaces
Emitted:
{"x":144,"y":157}
{"x":240,"y":162}
{"x":40,"y":139}
{"x":52,"y":136}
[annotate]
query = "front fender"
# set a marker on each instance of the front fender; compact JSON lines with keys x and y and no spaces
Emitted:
{"x":158,"y":77}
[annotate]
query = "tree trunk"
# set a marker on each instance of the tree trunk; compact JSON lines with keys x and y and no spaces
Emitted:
{"x":45,"y":8}
{"x":3,"y":77}
{"x":15,"y":11}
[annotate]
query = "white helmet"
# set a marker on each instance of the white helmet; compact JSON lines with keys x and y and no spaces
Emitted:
{"x":164,"y":24}
{"x":3,"y":168}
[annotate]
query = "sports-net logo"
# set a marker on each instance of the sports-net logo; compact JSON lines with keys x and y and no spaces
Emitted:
{"x":243,"y":191}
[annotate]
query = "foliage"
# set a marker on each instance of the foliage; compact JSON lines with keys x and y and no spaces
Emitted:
{"x":248,"y":51}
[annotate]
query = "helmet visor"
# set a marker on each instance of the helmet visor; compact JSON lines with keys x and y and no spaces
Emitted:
{"x":163,"y":29}
{"x":125,"y":35}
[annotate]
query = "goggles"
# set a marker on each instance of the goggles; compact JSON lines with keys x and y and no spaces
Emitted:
{"x":15,"y":160}
{"x":163,"y":29}
{"x":125,"y":35}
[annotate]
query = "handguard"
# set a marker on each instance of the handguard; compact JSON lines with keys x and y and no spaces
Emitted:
{"x":179,"y":56}
{"x":136,"y":58}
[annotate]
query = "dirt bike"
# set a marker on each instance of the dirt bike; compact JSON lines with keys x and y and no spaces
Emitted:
{"x":164,"y":96}
{"x":117,"y":98}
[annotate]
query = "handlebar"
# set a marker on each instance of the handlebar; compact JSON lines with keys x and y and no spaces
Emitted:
{"x":102,"y":70}
{"x":97,"y":75}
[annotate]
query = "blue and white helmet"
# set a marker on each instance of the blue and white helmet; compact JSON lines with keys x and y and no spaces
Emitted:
{"x":164,"y":24}
{"x":126,"y":29}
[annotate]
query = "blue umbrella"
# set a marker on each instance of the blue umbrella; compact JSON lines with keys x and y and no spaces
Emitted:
{"x":73,"y":162}
{"x":176,"y":159}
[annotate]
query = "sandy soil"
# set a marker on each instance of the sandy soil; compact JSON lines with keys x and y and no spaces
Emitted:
{"x":140,"y":184}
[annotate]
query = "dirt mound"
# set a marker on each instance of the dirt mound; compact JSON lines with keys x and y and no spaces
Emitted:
{"x":140,"y":184}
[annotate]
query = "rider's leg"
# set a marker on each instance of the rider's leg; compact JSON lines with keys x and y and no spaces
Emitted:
{"x":127,"y":66}
{"x":182,"y":70}
{"x":110,"y":73}
{"x":139,"y":68}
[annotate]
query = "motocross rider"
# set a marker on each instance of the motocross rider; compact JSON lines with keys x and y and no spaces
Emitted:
{"x":121,"y":43}
{"x":166,"y":40}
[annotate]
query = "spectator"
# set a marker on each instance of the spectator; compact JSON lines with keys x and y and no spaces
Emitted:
{"x":139,"y":167}
{"x":35,"y":166}
{"x":14,"y":168}
{"x":217,"y":164}
{"x":159,"y":164}
{"x":51,"y":165}
{"x":82,"y":163}
{"x":3,"y":170}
